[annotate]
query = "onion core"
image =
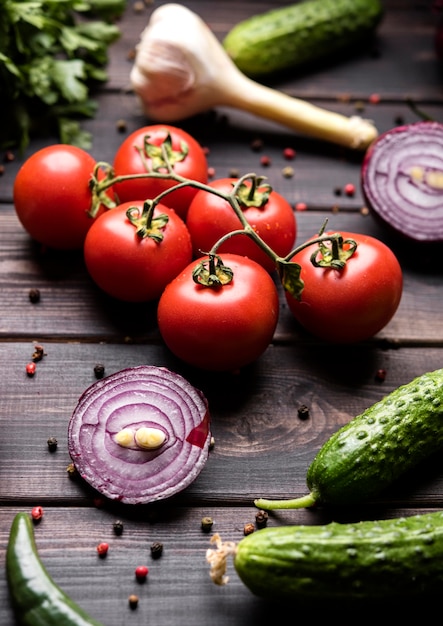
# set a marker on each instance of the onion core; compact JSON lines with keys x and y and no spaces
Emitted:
{"x":402,"y":180}
{"x":140,"y":435}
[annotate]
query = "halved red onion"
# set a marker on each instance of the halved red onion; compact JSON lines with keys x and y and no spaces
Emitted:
{"x":140,"y":435}
{"x":402,"y":180}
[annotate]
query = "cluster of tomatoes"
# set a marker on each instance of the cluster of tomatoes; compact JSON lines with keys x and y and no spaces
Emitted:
{"x":137,"y":250}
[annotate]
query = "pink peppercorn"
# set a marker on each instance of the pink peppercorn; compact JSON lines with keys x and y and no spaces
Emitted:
{"x":349,"y":189}
{"x":374,"y":98}
{"x":289,"y":153}
{"x":30,"y":369}
{"x":301,"y":206}
{"x":265,"y":161}
{"x":37,"y":513}
{"x":102,"y":549}
{"x":141,"y":572}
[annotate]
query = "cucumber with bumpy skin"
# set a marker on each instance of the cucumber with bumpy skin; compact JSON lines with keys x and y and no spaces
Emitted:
{"x":300,"y":33}
{"x":370,"y":560}
{"x":375,"y":448}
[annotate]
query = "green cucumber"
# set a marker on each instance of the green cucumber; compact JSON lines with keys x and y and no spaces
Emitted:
{"x":36,"y":598}
{"x":370,"y":560}
{"x":300,"y":33}
{"x":375,"y":448}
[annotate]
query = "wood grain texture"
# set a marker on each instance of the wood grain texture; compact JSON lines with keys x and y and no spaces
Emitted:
{"x":262,"y":447}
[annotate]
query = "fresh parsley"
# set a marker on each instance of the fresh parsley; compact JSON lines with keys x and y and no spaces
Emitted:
{"x":52,"y":53}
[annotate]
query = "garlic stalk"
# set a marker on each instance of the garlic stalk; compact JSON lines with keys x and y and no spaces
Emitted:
{"x":181,"y":69}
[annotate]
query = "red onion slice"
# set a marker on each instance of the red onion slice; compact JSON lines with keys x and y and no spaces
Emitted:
{"x":114,"y":411}
{"x":402,"y":180}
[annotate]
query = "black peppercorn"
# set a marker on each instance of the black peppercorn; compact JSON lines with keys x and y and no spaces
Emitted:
{"x":156,"y":549}
{"x":99,"y":370}
{"x":52,"y":444}
{"x":118,"y":527}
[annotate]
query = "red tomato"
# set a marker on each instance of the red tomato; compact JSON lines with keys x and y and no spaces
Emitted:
{"x":351,"y":304}
{"x":186,"y":156}
{"x":52,"y":196}
{"x":133,"y":268}
{"x":210,"y":217}
{"x":223,"y":328}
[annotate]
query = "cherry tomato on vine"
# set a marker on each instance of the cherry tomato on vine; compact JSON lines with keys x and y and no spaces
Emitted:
{"x":134,"y":260}
{"x":220,"y":328}
{"x":52,"y":196}
{"x":270,"y":215}
{"x":141,"y":152}
{"x":353,"y":303}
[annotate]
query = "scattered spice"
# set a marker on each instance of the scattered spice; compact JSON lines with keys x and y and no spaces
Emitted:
{"x":212,"y":443}
{"x":289,"y":154}
{"x":337,"y":191}
{"x":2,"y":170}
{"x":121,"y":126}
{"x":133,"y":601}
{"x":364,"y":210}
{"x":359,"y":105}
{"x":288,"y":172}
{"x":303,"y":412}
{"x":156,"y":549}
{"x":374,"y":98}
{"x":38,"y":353}
{"x":52,"y":444}
{"x":118,"y":527}
{"x":380,"y":375}
{"x":211,"y":172}
{"x":30,"y":369}
{"x":37,"y":513}
{"x":256,"y":145}
{"x":234,"y":173}
{"x":9,"y":156}
{"x":99,"y":370}
{"x":206,"y":524}
{"x":71,"y":470}
{"x":102,"y":549}
{"x":261,"y":519}
{"x":34,"y":295}
{"x":248,"y":528}
{"x":349,"y":189}
{"x":141,"y":573}
{"x":301,"y":206}
{"x":265,"y":161}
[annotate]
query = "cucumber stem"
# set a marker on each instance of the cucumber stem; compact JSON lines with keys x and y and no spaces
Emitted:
{"x":296,"y":503}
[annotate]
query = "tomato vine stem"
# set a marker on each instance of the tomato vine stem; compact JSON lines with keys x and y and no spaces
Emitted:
{"x":333,"y":256}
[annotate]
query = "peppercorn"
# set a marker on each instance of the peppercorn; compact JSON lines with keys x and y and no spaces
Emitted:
{"x":303,"y":412}
{"x":248,"y":529}
{"x":380,"y":375}
{"x":99,"y":370}
{"x":257,"y":145}
{"x":102,"y":549}
{"x":38,"y":353}
{"x":206,"y":524}
{"x":141,"y":573}
{"x":37,"y":513}
{"x":288,"y":172}
{"x":52,"y":444}
{"x":72,"y":471}
{"x":211,"y":443}
{"x":289,"y":153}
{"x":34,"y":295}
{"x":261,"y":519}
{"x":265,"y":161}
{"x":349,"y":189}
{"x":30,"y":369}
{"x":118,"y":527}
{"x":156,"y":549}
{"x":121,"y":126}
{"x":301,"y":206}
{"x":133,"y":601}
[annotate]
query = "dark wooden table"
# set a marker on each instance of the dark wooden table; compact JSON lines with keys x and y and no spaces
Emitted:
{"x":262,"y":448}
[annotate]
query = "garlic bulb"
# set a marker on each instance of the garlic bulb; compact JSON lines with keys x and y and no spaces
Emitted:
{"x":181,"y":69}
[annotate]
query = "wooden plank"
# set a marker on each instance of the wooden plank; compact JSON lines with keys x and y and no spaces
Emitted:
{"x":262,"y":446}
{"x":179,"y":589}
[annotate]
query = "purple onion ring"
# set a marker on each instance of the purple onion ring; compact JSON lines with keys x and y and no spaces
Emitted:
{"x":143,"y":397}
